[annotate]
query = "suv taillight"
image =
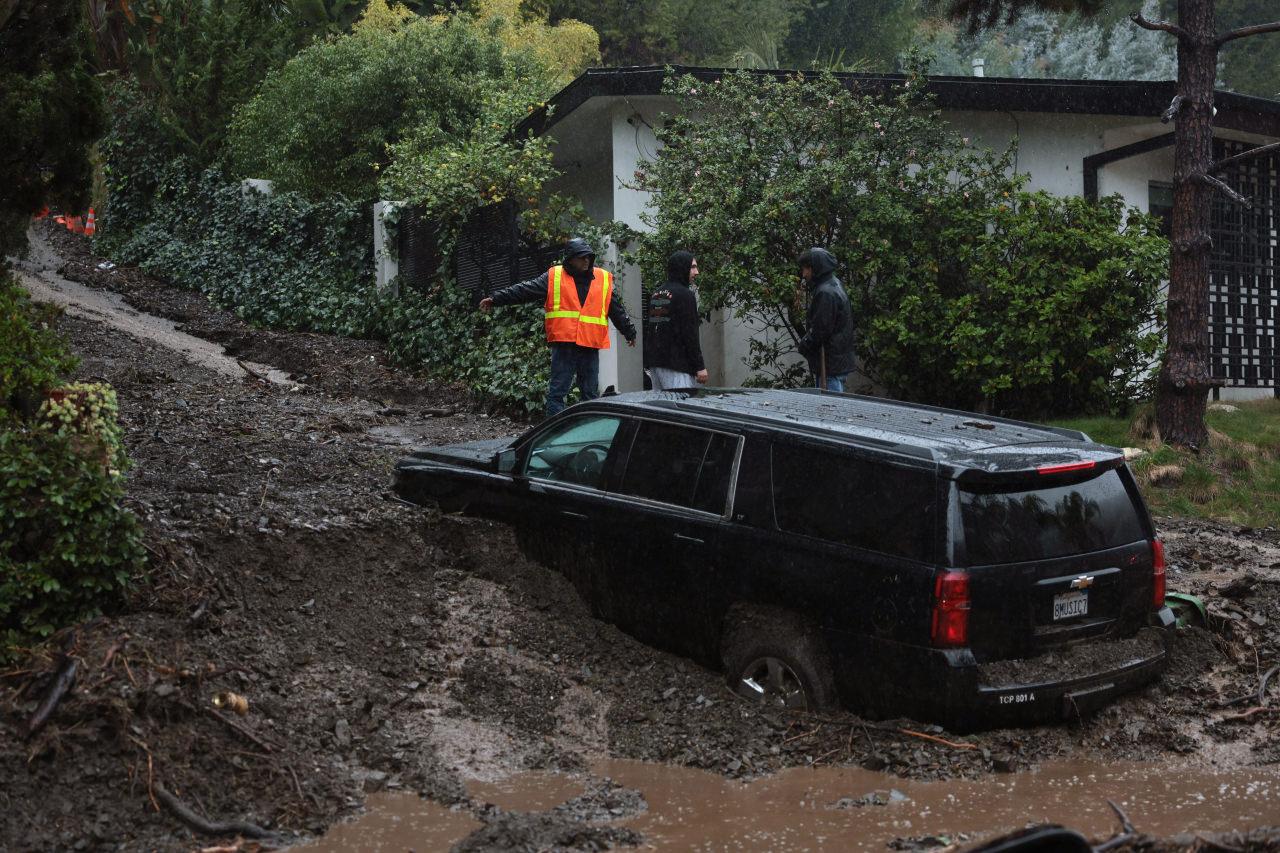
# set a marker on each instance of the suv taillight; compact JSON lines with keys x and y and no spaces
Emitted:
{"x":950,"y":610}
{"x":1157,"y":574}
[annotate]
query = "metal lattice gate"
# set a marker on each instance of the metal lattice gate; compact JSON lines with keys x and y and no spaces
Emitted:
{"x":1243,"y":289}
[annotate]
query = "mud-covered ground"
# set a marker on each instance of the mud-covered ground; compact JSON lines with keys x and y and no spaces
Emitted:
{"x":380,"y":646}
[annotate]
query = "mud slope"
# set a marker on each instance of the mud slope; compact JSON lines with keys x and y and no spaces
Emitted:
{"x":384,"y":647}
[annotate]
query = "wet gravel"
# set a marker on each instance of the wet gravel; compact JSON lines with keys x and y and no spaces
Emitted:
{"x":383,"y":647}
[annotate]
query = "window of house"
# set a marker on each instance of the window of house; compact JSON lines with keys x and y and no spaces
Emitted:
{"x":679,"y":465}
{"x":839,"y":498}
{"x":574,"y":452}
{"x":1160,"y":205}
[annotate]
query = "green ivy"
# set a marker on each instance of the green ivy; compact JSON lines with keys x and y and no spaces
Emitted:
{"x":68,"y":548}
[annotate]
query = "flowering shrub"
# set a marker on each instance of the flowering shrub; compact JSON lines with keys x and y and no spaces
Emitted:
{"x":67,"y":546}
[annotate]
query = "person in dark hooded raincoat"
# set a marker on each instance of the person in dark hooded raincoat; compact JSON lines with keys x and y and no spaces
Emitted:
{"x":828,"y":340}
{"x":672,"y":351}
{"x":578,"y":297}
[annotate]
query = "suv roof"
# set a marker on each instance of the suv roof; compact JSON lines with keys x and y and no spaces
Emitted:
{"x":946,"y":436}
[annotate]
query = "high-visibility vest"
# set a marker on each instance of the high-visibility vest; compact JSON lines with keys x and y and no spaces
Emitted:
{"x":570,"y":322}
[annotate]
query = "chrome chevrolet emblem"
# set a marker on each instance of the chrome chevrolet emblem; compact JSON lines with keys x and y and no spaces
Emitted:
{"x":1082,"y":582}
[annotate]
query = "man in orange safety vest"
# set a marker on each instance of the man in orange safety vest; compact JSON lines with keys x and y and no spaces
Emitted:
{"x":579,"y":303}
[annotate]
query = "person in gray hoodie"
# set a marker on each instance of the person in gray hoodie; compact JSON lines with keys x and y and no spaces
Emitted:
{"x":828,"y":339}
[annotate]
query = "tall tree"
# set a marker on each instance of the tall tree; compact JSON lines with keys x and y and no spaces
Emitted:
{"x":1184,"y":381}
{"x":869,"y":32}
{"x":50,"y":112}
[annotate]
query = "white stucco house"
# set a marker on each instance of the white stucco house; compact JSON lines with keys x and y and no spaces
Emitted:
{"x":1074,"y":137}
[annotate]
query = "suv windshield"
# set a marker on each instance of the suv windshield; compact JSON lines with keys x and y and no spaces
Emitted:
{"x":1040,"y":524}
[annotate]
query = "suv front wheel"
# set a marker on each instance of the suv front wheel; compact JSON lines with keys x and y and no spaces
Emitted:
{"x":774,"y":658}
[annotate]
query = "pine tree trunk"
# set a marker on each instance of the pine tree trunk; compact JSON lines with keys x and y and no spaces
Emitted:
{"x":1184,"y":380}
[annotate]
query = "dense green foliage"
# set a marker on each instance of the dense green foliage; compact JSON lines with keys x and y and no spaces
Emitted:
{"x":693,"y":32}
{"x":325,"y":122}
{"x":50,"y":112}
{"x":968,"y":292}
{"x":67,"y":546}
{"x":870,"y":31}
{"x":197,"y":62}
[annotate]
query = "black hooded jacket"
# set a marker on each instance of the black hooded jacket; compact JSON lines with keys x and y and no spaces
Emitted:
{"x":671,"y":329}
{"x":535,"y":289}
{"x":830,"y":317}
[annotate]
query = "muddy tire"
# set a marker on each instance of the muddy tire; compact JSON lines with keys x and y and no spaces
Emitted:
{"x":775,"y":658}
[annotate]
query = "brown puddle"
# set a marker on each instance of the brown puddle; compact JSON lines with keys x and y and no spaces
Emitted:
{"x":846,"y":808}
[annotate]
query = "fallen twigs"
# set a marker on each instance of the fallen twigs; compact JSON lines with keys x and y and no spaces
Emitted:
{"x":1252,"y":712}
{"x":61,"y":684}
{"x":1210,"y":844}
{"x":199,"y":824}
{"x":1127,"y":832}
{"x":944,"y":742}
{"x":1262,"y":685}
{"x":232,"y":724}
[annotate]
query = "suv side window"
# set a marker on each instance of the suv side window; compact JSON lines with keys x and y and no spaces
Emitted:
{"x":850,"y":501}
{"x":575,"y":452}
{"x":678,"y":465}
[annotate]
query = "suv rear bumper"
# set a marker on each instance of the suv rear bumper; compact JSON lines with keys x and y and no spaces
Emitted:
{"x":949,"y":687}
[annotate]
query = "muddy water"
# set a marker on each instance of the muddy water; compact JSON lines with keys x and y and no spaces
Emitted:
{"x":848,"y":809}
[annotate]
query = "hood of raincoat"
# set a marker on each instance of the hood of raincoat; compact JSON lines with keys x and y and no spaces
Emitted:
{"x":822,"y":262}
{"x":577,"y":247}
{"x":678,"y":266}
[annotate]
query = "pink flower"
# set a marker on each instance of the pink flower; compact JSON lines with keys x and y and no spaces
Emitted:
{"x":877,"y":125}
{"x":697,"y":172}
{"x":965,"y":140}
{"x":831,"y":102}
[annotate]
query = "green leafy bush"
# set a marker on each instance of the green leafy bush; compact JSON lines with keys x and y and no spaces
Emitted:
{"x":1051,"y":306}
{"x":67,"y":546}
{"x":966,"y":291}
{"x":321,"y":125}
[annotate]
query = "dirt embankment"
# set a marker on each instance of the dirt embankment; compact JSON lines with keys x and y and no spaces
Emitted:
{"x":383,"y":647}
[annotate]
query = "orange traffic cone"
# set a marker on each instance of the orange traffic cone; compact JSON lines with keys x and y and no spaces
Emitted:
{"x":89,"y":226}
{"x":75,"y":224}
{"x":44,"y":211}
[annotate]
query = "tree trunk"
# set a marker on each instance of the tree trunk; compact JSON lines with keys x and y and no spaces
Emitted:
{"x":1184,"y":380}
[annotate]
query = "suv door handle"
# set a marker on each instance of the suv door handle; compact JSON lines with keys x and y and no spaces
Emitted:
{"x":694,"y":539}
{"x":577,"y":516}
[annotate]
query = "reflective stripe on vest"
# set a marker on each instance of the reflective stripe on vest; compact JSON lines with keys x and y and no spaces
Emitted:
{"x":567,"y":321}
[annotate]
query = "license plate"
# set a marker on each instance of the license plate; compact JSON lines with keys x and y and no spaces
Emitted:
{"x":1068,"y":604}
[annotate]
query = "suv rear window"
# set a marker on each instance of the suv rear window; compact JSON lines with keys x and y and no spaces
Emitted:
{"x":1041,"y":524}
{"x":832,"y":496}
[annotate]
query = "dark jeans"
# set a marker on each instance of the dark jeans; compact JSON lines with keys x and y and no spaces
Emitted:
{"x":570,"y":362}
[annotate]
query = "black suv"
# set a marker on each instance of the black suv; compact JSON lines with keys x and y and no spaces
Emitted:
{"x":833,"y":549}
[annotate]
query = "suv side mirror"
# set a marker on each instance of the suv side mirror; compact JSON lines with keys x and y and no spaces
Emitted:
{"x":506,"y":461}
